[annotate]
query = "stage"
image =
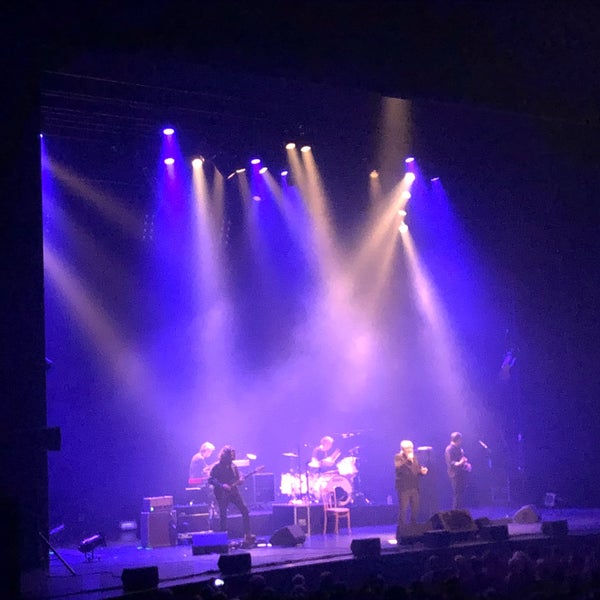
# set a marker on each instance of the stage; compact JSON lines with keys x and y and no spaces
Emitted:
{"x":184,"y":571}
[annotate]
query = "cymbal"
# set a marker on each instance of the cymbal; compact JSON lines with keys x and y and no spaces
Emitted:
{"x":290,"y":454}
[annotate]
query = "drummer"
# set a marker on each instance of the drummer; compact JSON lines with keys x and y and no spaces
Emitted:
{"x":323,"y":458}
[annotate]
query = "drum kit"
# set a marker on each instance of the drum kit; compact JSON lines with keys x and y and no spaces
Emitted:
{"x":311,"y":485}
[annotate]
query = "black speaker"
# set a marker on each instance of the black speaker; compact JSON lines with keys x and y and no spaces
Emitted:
{"x":231,"y":564}
{"x":291,"y":535}
{"x":555,"y":528}
{"x":138,"y":579}
{"x":366,"y":548}
{"x":453,"y":520}
{"x":440,"y":538}
{"x":526,"y":514}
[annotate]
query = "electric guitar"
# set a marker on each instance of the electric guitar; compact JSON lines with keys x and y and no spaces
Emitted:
{"x":220,"y":490}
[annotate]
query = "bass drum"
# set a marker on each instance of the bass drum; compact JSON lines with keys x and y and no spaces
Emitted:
{"x":341,"y":486}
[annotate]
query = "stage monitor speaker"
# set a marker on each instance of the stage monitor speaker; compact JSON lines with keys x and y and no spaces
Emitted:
{"x":526,"y":514}
{"x":366,"y":548}
{"x":138,"y":579}
{"x":555,"y":528}
{"x":231,"y":564}
{"x":453,"y":520}
{"x":291,"y":535}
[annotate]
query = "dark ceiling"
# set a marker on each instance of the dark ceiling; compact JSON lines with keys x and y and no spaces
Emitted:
{"x":537,"y":58}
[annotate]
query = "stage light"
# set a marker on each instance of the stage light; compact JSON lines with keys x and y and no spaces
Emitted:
{"x":238,"y":171}
{"x":409,"y":160}
{"x":290,"y":146}
{"x":410,"y":177}
{"x":231,"y":175}
{"x":402,"y":212}
{"x":435,"y":179}
{"x":284,"y":173}
{"x":256,"y":198}
{"x":88,"y":545}
{"x":405,"y":195}
{"x":255,"y":161}
{"x":263,"y":170}
{"x":168,"y":131}
{"x":305,"y":149}
{"x":373,"y":174}
{"x":197,"y":162}
{"x":169,"y":161}
{"x":403,"y":228}
{"x":41,"y":136}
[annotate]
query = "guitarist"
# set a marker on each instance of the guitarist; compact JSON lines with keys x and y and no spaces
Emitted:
{"x":225,"y":478}
{"x":458,"y":467}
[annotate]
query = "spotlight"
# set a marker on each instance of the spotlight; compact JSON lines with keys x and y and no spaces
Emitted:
{"x":169,"y":161}
{"x":262,"y":170}
{"x":238,"y":171}
{"x":168,"y":131}
{"x":435,"y":179}
{"x":41,"y":136}
{"x":88,"y":545}
{"x":402,"y":212}
{"x":410,"y":177}
{"x":255,"y":161}
{"x":403,"y":228}
{"x":405,"y":195}
{"x":305,"y":149}
{"x":284,"y":173}
{"x":290,"y":146}
{"x":409,"y":160}
{"x":256,"y":198}
{"x":373,"y":174}
{"x":197,"y":162}
{"x":231,"y":175}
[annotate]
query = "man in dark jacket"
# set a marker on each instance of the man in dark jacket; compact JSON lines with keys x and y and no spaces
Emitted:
{"x":408,"y":472}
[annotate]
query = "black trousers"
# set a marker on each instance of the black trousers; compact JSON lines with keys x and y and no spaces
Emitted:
{"x":233,"y":497}
{"x":408,"y":499}
{"x":459,"y":485}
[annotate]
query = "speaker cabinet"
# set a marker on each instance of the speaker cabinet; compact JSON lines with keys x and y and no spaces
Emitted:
{"x":289,"y":536}
{"x":157,"y":529}
{"x":231,"y":564}
{"x":453,"y":520}
{"x":526,"y":514}
{"x":366,"y":548}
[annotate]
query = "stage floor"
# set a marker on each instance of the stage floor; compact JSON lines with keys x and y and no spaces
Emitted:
{"x":177,"y":565}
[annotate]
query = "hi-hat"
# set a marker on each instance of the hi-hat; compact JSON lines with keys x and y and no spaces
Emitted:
{"x":290,"y":454}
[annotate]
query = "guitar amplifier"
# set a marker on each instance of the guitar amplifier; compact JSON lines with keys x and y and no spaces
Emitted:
{"x":157,"y":504}
{"x":158,"y":529}
{"x":259,"y":488}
